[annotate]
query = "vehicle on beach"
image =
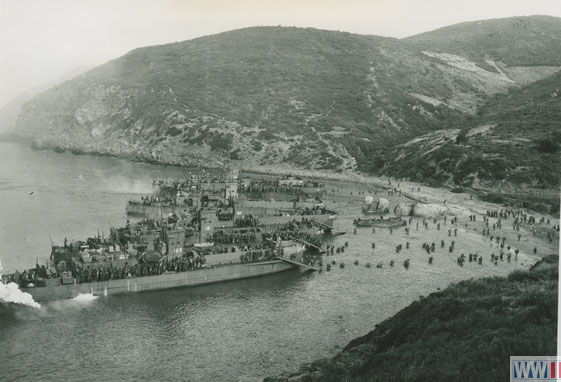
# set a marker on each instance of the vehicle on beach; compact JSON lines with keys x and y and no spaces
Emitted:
{"x":371,"y":206}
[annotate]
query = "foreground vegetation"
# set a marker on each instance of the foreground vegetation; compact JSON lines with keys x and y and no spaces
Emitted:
{"x":465,"y":333}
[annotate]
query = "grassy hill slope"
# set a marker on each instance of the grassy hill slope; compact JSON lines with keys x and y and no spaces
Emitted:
{"x":303,"y":98}
{"x":514,"y":137}
{"x":514,"y":41}
{"x":312,"y":98}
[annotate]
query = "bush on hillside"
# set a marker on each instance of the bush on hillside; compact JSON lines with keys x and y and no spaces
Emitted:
{"x":548,"y":145}
{"x":462,"y":136}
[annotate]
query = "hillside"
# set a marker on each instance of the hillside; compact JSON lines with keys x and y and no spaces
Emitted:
{"x":467,"y":332}
{"x":311,"y":98}
{"x":10,"y":111}
{"x":305,"y":98}
{"x":514,"y":137}
{"x":518,"y":46}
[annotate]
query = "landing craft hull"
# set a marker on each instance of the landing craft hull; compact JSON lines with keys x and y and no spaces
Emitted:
{"x":156,"y":212}
{"x":326,"y":220}
{"x":153,"y":211}
{"x":281,"y":196}
{"x":164,"y":281}
{"x":379,"y":223}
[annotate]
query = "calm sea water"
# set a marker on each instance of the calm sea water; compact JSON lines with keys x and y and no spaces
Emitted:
{"x":235,"y":331}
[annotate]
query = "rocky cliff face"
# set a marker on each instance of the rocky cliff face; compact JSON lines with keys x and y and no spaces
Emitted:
{"x":301,"y":97}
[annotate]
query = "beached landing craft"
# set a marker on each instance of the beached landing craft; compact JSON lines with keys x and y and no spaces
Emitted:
{"x":180,"y":196}
{"x":151,"y":256}
{"x":55,"y":288}
{"x":287,"y":188}
{"x":211,"y":243}
{"x":392,"y":222}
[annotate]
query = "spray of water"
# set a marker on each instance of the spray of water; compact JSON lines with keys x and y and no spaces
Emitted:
{"x":12,"y":294}
{"x":84,"y":297}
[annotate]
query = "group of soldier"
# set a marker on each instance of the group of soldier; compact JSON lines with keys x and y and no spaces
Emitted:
{"x":233,"y":238}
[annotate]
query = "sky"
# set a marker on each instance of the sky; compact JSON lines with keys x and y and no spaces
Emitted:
{"x":41,"y":40}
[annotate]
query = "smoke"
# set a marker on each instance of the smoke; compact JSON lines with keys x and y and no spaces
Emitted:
{"x":127,"y":186}
{"x":11,"y":293}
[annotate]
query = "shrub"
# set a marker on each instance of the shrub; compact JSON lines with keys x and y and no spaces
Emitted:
{"x":522,"y":276}
{"x":462,"y":137}
{"x":548,"y":146}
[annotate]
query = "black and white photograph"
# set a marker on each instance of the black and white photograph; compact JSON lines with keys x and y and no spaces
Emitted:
{"x":280,"y":191}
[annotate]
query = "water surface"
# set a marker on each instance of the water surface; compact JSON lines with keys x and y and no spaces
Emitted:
{"x":236,"y":331}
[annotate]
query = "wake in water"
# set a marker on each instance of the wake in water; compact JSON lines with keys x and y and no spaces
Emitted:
{"x":11,"y":293}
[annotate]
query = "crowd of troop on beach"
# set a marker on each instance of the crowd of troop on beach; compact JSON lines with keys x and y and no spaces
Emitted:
{"x":490,"y":224}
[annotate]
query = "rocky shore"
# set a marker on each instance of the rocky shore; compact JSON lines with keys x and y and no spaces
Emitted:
{"x":465,"y":332}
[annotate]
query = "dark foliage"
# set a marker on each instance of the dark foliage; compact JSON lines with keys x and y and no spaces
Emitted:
{"x":521,"y":145}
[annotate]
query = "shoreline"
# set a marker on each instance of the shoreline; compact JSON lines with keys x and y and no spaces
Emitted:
{"x":452,"y":322}
{"x":428,"y":194}
{"x":356,"y":182}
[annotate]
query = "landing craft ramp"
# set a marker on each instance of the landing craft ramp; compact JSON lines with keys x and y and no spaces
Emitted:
{"x":321,"y":225}
{"x":307,"y":243}
{"x":301,"y":265}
